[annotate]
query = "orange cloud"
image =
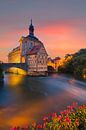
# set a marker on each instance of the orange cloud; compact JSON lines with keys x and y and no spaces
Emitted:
{"x":59,"y":38}
{"x":64,"y":37}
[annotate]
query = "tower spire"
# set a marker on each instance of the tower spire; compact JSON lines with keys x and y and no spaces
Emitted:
{"x":31,"y":21}
{"x":31,"y":29}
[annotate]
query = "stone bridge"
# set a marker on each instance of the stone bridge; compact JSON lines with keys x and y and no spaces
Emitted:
{"x":6,"y":66}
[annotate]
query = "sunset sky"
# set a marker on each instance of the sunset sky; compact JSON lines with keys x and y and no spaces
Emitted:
{"x":59,"y":24}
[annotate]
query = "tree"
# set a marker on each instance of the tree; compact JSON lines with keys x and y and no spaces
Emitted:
{"x":75,"y":64}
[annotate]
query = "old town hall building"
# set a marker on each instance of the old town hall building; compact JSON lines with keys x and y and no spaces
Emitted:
{"x":30,"y":51}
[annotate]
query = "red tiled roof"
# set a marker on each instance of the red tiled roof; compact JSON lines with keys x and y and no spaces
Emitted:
{"x":35,"y":50}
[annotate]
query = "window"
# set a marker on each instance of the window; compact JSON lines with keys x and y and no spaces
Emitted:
{"x":30,"y":45}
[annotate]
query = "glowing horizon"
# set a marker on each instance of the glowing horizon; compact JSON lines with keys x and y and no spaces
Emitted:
{"x":61,"y":26}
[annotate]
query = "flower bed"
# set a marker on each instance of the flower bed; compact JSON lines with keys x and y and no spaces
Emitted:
{"x":73,"y":118}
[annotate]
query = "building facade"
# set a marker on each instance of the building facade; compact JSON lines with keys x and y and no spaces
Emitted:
{"x":30,"y":51}
{"x":14,"y":55}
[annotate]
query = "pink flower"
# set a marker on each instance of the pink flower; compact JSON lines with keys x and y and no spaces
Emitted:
{"x":61,"y":112}
{"x":59,"y":117}
{"x":14,"y":128}
{"x":45,"y":118}
{"x":44,"y":125}
{"x":39,"y":126}
{"x":67,"y":119}
{"x":54,"y":115}
{"x":70,"y":107}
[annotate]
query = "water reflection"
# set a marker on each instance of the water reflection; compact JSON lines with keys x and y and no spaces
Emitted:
{"x":15,"y":80}
{"x":25,"y":99}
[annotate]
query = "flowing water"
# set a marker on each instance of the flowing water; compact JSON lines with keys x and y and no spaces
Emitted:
{"x":26,"y":99}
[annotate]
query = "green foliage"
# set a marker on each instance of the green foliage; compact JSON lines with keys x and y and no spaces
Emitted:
{"x":76,"y":65}
{"x":78,"y":71}
{"x":61,"y":69}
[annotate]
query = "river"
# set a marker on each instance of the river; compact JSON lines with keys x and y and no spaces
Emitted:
{"x":26,"y":99}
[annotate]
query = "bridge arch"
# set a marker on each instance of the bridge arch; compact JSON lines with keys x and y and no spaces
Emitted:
{"x":20,"y":68}
{"x":16,"y":70}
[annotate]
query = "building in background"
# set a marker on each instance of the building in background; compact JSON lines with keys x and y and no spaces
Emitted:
{"x":30,"y":51}
{"x":53,"y":63}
